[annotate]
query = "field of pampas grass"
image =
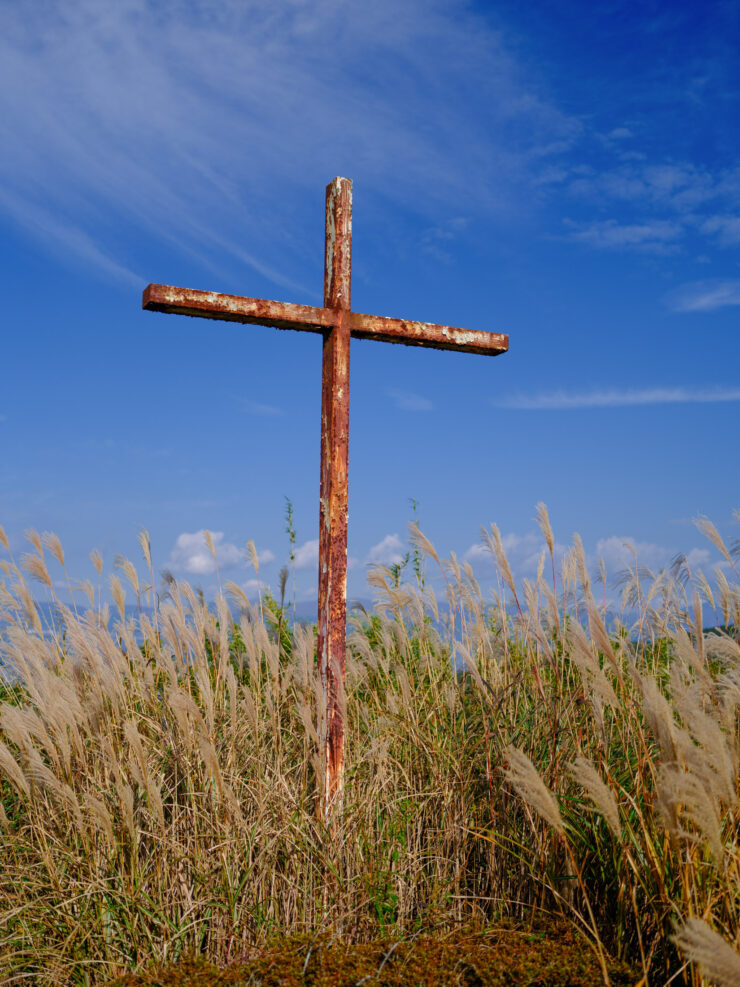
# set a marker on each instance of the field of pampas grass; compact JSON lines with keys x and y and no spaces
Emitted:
{"x":524,"y":757}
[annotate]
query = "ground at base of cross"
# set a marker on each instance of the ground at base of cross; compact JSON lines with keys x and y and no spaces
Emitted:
{"x":552,"y":956}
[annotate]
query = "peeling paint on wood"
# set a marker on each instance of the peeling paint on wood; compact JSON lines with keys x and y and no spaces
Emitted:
{"x":307,"y":318}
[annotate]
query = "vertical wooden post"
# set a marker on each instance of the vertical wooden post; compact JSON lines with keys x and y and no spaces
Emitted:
{"x":333,"y":494}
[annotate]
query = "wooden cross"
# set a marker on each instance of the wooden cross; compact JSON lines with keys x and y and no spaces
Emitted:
{"x":337,"y":324}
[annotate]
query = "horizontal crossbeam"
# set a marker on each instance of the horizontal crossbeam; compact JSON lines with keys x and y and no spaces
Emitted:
{"x":281,"y":315}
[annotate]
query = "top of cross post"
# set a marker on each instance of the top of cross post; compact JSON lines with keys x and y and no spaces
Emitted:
{"x":338,"y":245}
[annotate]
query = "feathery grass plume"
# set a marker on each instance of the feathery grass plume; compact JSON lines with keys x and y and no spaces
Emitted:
{"x":525,"y":779}
{"x":146,"y":546}
{"x":210,"y":759}
{"x":165,"y":849}
{"x":129,"y":570}
{"x":35,"y":539}
{"x":709,"y":530}
{"x":686,"y":654}
{"x":4,"y":539}
{"x":496,"y":547}
{"x":54,"y":545}
{"x":419,"y":540}
{"x":97,"y":560}
{"x":119,"y":595}
{"x":728,"y":599}
{"x":29,"y":608}
{"x":595,"y":682}
{"x":584,"y":772}
{"x":86,"y":587}
{"x":13,"y":771}
{"x":126,"y":803}
{"x":253,"y":557}
{"x":239,"y":597}
{"x":543,"y":521}
{"x":681,"y":795}
{"x":100,"y":816}
{"x":36,"y":568}
{"x":705,"y":588}
{"x":705,"y":746}
{"x":208,"y":537}
{"x":659,"y":717}
{"x":725,"y":648}
{"x":599,"y":634}
{"x":716,"y":957}
{"x":579,"y":553}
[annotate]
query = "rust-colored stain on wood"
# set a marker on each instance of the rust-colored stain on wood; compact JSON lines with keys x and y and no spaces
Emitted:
{"x":282,"y":315}
{"x":338,"y":324}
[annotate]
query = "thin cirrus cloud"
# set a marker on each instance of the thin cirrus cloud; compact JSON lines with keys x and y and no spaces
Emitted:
{"x":206,"y":98}
{"x":614,"y":398}
{"x":262,"y":410}
{"x":659,"y":204}
{"x":409,"y":400}
{"x":657,"y":236}
{"x":705,"y":296}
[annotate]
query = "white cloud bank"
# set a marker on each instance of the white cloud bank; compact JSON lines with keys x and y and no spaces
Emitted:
{"x":388,"y":551}
{"x":192,"y":554}
{"x":307,"y":554}
{"x":618,"y":552}
{"x":522,"y":551}
{"x":616,"y":398}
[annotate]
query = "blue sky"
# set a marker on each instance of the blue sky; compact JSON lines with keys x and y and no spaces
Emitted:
{"x":563,"y":172}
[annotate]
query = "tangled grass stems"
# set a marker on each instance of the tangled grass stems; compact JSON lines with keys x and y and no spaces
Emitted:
{"x":159,"y":775}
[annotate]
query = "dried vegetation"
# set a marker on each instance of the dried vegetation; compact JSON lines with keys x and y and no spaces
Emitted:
{"x":506,"y":760}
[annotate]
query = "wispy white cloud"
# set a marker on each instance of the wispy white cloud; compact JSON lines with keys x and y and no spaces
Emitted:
{"x":620,"y":133}
{"x":388,"y":551}
{"x":649,"y":184}
{"x":174,"y":122}
{"x":727,"y":228}
{"x":615,"y":398}
{"x":657,"y":236}
{"x":437,"y":239}
{"x":409,"y":401}
{"x":262,"y":410}
{"x":705,"y":296}
{"x":656,"y":205}
{"x":65,"y":237}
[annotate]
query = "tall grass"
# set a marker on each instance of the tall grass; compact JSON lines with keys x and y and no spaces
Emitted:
{"x":505,"y":758}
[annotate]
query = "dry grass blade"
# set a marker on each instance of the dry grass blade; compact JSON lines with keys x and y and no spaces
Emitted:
{"x":159,"y":779}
